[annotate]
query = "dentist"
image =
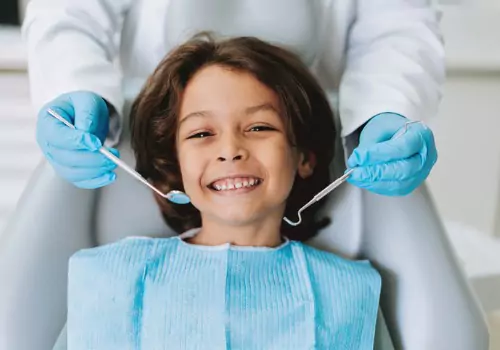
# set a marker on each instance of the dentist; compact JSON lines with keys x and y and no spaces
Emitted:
{"x":380,"y":62}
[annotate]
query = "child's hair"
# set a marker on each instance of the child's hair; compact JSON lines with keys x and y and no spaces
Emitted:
{"x":306,"y":113}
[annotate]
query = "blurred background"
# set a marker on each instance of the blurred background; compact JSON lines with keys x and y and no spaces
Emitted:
{"x":465,"y":183}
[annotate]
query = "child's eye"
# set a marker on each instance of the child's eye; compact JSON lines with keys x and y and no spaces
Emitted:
{"x":200,"y":135}
{"x":261,"y":128}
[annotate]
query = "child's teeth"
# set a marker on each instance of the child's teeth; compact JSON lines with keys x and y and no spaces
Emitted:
{"x":232,"y":184}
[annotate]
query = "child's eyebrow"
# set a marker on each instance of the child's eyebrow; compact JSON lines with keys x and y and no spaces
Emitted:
{"x":262,"y":107}
{"x":195,"y":114}
{"x":249,"y":110}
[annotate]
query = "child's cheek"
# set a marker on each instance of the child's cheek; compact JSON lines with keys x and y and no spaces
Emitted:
{"x":191,"y":172}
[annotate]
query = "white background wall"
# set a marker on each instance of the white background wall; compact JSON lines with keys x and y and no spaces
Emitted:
{"x":466,"y":179}
{"x":465,"y":182}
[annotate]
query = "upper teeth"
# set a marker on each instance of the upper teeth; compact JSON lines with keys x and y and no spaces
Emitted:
{"x":231,"y":184}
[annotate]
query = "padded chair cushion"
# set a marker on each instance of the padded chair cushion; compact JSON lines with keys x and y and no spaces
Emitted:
{"x":127,"y":208}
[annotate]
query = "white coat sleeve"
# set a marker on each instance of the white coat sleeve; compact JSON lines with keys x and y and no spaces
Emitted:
{"x":394,"y":62}
{"x":72,"y":46}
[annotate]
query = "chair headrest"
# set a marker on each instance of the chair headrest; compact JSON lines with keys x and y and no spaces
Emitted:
{"x":127,"y":208}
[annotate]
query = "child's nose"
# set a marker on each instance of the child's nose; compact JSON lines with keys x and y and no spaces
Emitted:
{"x":238,"y":157}
{"x":232,"y":149}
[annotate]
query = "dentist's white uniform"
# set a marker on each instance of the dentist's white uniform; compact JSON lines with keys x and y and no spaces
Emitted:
{"x":371,"y":56}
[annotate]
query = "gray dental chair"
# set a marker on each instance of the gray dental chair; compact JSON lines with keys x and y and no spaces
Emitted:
{"x":426,"y":301}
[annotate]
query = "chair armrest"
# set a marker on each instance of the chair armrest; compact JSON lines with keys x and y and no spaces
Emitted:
{"x":426,"y":298}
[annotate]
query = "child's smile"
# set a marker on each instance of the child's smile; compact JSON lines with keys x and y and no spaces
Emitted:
{"x":240,"y":183}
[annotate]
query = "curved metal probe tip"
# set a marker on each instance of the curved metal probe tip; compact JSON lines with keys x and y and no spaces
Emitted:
{"x":296,"y":223}
{"x":318,"y":197}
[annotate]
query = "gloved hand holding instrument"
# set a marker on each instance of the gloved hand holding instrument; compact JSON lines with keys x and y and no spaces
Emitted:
{"x":174,"y":196}
{"x":73,"y":152}
{"x":391,"y":162}
{"x":393,"y":158}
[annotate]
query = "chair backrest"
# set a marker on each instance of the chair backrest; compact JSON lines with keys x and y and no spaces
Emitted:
{"x":426,"y":300}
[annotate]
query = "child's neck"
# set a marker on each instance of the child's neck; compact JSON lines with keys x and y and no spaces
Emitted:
{"x":259,"y":234}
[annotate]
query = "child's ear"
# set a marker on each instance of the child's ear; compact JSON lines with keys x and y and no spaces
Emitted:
{"x":307,"y":162}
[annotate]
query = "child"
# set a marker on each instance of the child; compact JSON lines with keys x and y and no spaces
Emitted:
{"x":243,"y":128}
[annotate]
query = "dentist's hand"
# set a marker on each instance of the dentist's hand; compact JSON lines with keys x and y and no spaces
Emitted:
{"x":392,"y":167}
{"x":74,"y":153}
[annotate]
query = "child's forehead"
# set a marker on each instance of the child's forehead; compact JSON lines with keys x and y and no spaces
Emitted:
{"x":219,"y":90}
{"x":246,"y":113}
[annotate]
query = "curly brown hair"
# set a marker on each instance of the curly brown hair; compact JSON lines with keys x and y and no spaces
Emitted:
{"x":307,"y":116}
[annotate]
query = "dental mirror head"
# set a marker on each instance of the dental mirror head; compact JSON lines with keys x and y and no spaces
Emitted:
{"x":178,"y":197}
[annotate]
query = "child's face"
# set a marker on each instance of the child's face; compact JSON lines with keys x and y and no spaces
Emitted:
{"x":237,"y":164}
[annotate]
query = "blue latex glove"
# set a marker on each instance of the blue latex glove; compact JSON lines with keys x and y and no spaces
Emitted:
{"x":74,"y":153}
{"x":392,"y":167}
